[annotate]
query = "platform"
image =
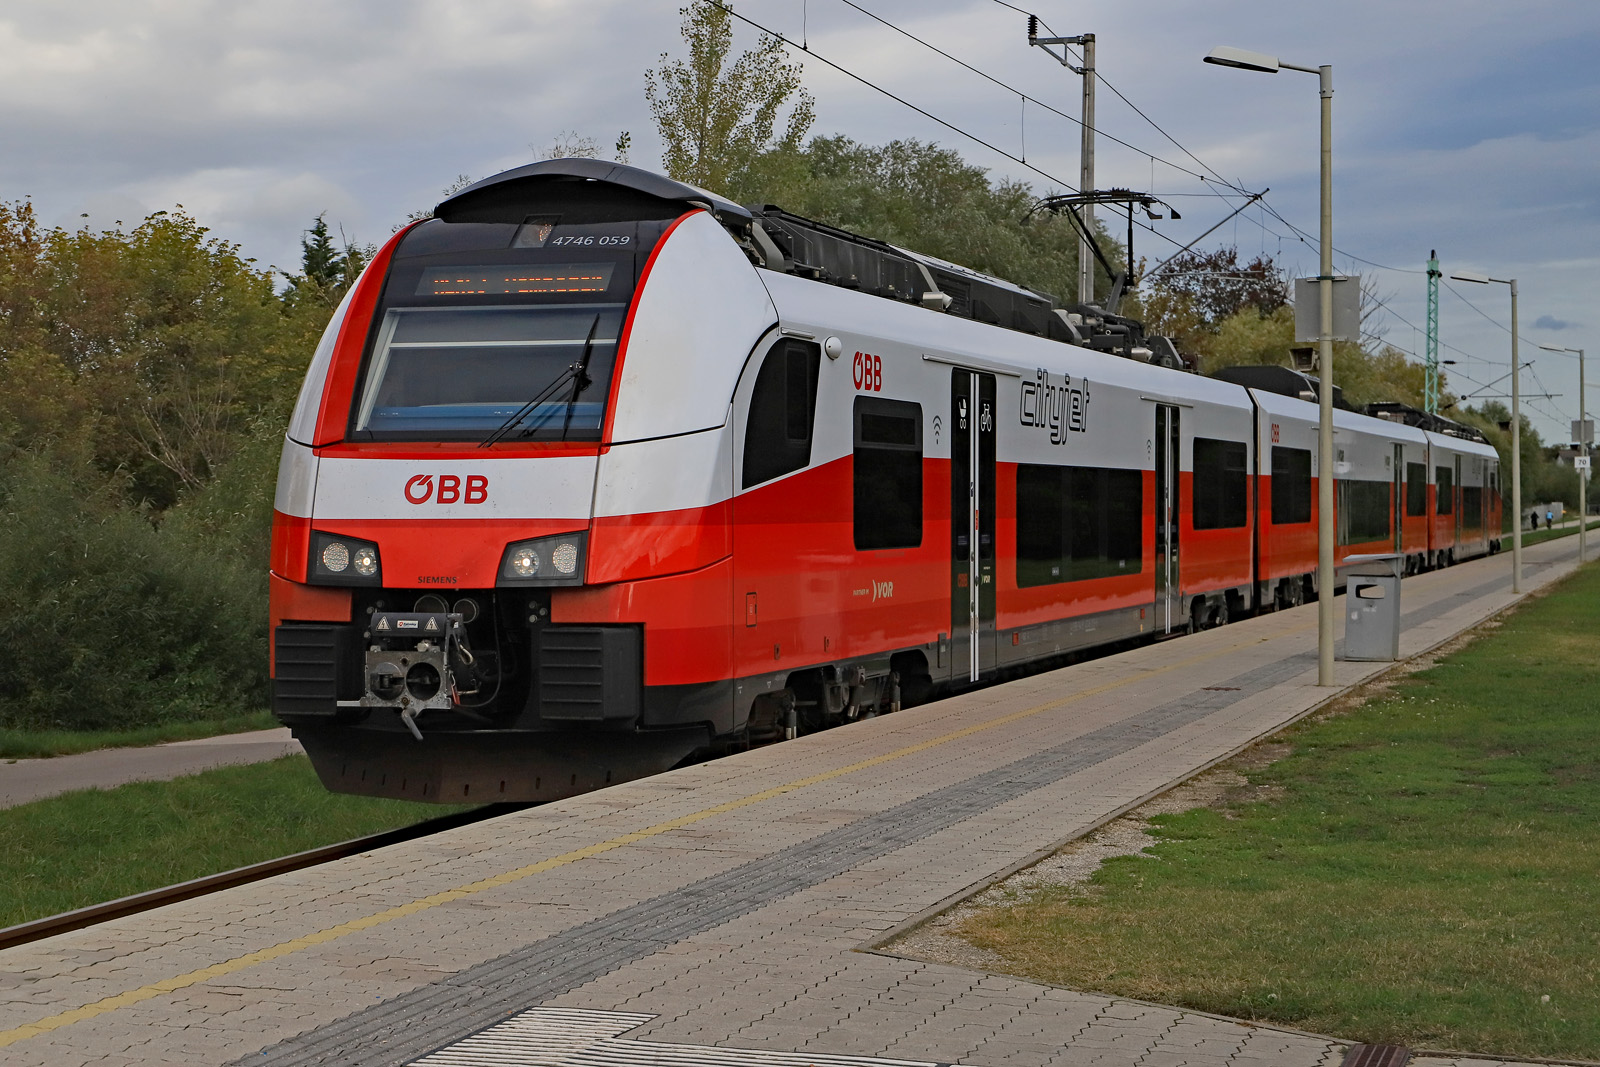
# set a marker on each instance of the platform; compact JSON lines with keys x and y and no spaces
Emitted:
{"x":724,"y":913}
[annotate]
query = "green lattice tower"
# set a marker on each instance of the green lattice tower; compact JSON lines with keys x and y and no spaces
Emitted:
{"x":1431,"y":401}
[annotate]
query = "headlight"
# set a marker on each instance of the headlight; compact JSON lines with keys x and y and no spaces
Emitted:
{"x":336,"y":556}
{"x":544,"y":561}
{"x":337,"y":560}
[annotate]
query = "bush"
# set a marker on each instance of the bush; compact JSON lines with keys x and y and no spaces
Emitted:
{"x":117,"y":622}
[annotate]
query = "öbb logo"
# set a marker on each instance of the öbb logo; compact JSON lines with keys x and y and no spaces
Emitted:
{"x":420,"y":489}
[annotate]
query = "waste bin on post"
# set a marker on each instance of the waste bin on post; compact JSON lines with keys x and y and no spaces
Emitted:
{"x":1372,"y":606}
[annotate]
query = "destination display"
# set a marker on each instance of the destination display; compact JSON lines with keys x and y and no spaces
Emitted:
{"x":520,"y":279}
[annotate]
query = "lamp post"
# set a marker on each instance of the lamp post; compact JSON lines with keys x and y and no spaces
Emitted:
{"x":1583,"y":450}
{"x":1238,"y":57}
{"x":1516,"y":426}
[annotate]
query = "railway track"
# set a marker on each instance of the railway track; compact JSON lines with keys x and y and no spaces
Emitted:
{"x":50,"y":925}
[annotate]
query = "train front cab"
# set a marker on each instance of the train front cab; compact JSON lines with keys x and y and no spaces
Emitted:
{"x":522,"y":440}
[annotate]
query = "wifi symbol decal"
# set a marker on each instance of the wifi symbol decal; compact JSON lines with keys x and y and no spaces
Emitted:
{"x":938,"y":424}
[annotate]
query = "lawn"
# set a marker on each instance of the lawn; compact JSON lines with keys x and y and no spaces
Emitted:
{"x":83,"y":848}
{"x":1425,"y":870}
{"x":33,"y":744}
{"x":1533,"y":537}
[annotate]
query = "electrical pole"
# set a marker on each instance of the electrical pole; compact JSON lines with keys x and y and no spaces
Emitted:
{"x":1582,"y":435}
{"x":1431,"y":403}
{"x":1516,"y":425}
{"x":1084,"y":41}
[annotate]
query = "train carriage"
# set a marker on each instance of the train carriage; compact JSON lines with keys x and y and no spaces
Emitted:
{"x":595,"y":471}
{"x":1466,"y":514}
{"x":1371,"y":458}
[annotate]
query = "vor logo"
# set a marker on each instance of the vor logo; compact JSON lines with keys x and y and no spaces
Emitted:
{"x":450,"y":489}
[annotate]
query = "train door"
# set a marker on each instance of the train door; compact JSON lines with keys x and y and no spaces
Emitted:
{"x":972,"y":508}
{"x":1399,"y":497}
{"x":1458,"y":494}
{"x":1169,"y":590}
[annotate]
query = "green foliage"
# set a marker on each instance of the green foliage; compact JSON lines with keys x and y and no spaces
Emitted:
{"x":154,"y":348}
{"x":924,"y":197}
{"x":127,"y":623}
{"x":327,"y":271}
{"x":1544,"y":476}
{"x":145,"y":379}
{"x":717,"y":119}
{"x":41,"y":744}
{"x":83,"y":848}
{"x":1228,"y":315}
{"x":1214,"y":285}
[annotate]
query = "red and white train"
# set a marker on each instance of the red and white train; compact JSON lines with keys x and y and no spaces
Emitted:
{"x":595,"y":470}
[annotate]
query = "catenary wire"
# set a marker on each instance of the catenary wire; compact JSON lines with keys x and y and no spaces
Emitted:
{"x":1013,"y":89}
{"x":812,"y":53}
{"x":1234,"y":188}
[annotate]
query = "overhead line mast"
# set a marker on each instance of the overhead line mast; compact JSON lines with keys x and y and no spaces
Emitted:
{"x":1086,"y":159}
{"x":1431,"y":358}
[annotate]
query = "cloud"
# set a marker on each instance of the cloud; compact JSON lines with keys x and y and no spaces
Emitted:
{"x":1550,"y":322}
{"x":1470,"y":126}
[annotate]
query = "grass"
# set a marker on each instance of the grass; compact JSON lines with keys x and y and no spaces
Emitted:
{"x":1544,"y":533}
{"x":1423,"y":870}
{"x":35,"y":744}
{"x":83,"y":848}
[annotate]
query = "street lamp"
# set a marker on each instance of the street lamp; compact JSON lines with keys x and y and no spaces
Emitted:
{"x":1583,"y":450}
{"x":1238,"y":57}
{"x":1516,"y":426}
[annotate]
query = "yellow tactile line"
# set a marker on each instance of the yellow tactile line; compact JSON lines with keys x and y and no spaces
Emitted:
{"x":333,"y":933}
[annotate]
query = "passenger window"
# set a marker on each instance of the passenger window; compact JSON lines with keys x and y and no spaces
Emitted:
{"x":783,"y":407}
{"x":1444,"y":497}
{"x":1363,"y":511}
{"x":1220,"y":485}
{"x":888,"y":473}
{"x":1416,"y":489}
{"x":1291,"y":485}
{"x":1075,"y":523}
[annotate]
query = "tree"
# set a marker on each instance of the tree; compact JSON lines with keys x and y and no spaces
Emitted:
{"x":716,"y":119}
{"x":461,"y":182}
{"x":1215,"y":286}
{"x":148,"y":351}
{"x":924,"y":197}
{"x":327,"y":271}
{"x":1544,"y":476}
{"x":569,"y":144}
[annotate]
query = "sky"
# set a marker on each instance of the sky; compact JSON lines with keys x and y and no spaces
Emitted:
{"x":1470,"y":127}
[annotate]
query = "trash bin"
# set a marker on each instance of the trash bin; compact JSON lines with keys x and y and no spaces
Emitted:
{"x":1372,"y":606}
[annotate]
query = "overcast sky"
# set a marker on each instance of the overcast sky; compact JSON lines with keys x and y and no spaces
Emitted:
{"x":1468,"y":126}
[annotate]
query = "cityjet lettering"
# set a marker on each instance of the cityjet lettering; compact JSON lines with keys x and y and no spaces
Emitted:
{"x":1062,"y":408}
{"x":450,"y":489}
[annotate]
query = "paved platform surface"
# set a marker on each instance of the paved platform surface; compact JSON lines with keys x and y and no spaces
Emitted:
{"x":25,"y":780}
{"x":719,"y":914}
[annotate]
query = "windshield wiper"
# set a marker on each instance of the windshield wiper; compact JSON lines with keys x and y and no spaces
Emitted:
{"x":577,"y":373}
{"x":580,"y":380}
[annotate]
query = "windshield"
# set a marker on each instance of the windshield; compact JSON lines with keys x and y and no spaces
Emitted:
{"x":462,"y":372}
